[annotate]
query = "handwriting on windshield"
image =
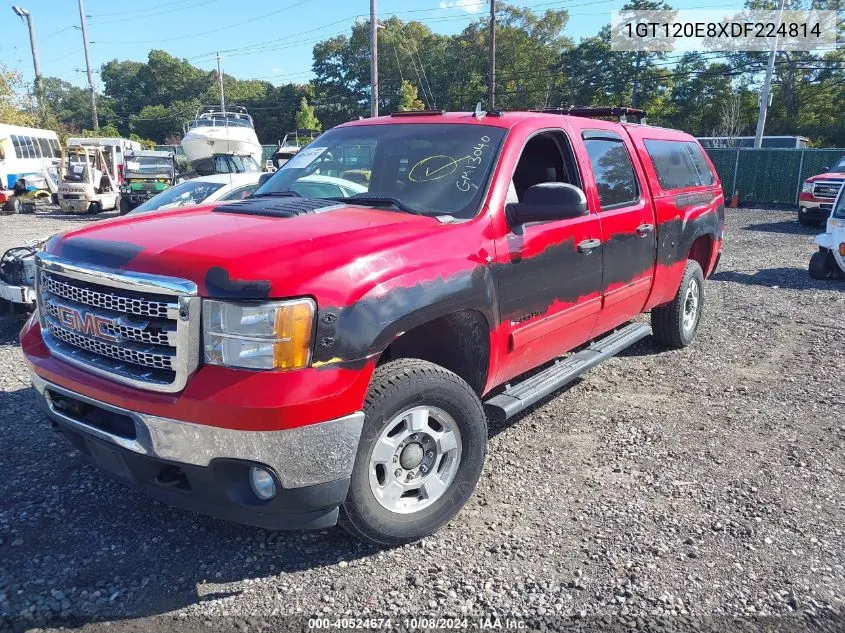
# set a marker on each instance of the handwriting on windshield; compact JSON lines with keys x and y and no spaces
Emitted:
{"x":464,"y":182}
{"x":434,"y":168}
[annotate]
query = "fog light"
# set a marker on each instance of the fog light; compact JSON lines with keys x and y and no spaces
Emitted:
{"x":262,"y":483}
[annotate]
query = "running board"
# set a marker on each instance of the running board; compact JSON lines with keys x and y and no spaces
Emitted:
{"x":531,"y":390}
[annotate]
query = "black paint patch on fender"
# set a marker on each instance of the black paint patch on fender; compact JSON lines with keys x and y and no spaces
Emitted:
{"x":219,"y":284}
{"x":104,"y":253}
{"x":368,"y":326}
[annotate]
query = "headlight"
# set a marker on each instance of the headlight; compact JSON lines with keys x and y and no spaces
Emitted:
{"x":807,"y":187}
{"x":272,"y":335}
{"x":125,"y":189}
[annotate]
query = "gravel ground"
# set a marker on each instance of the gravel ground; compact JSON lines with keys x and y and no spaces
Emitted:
{"x":678,"y":489}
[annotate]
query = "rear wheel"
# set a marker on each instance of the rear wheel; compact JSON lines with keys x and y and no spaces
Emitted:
{"x":420,"y":456}
{"x":676,"y":323}
{"x":822,"y":266}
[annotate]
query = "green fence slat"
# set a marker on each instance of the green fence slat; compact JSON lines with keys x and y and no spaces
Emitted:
{"x":769,"y":176}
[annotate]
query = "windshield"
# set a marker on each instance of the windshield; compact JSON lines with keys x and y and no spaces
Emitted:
{"x":183,"y":194}
{"x":148,"y":164}
{"x":839,"y":166}
{"x":432,"y":169}
{"x":221,"y":121}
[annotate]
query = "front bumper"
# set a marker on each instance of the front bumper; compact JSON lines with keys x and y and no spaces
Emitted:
{"x":205,"y":469}
{"x":17,"y":294}
{"x":815,"y":209}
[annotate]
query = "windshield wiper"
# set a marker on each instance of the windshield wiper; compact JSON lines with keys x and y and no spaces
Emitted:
{"x":276,"y":194}
{"x":376,"y":201}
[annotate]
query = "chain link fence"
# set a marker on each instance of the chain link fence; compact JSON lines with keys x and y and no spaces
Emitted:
{"x":769,"y":176}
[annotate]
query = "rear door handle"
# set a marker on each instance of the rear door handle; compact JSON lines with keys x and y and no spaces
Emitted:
{"x":644,"y":229}
{"x":588,"y":246}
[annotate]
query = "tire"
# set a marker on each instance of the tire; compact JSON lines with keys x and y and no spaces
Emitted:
{"x":95,"y":207}
{"x":54,"y":198}
{"x":411,"y":399}
{"x":675,"y":324}
{"x":822,"y":266}
{"x":123,"y":206}
{"x":12,"y":206}
{"x":803,"y":220}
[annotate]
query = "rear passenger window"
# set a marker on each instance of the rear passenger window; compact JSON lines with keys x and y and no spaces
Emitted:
{"x":679,"y":164}
{"x":705,"y":172}
{"x":614,"y":173}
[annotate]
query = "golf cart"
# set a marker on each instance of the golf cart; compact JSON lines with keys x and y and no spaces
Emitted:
{"x":829,"y":261}
{"x":88,"y":179}
{"x":146,"y":173}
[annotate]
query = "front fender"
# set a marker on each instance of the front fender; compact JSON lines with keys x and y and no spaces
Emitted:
{"x":366,"y":327}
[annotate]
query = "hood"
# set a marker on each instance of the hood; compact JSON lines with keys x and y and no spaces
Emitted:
{"x":244,"y":255}
{"x":832,"y":175}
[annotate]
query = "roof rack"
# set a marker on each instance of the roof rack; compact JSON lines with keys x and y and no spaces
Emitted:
{"x":622,"y":113}
{"x":418,"y":113}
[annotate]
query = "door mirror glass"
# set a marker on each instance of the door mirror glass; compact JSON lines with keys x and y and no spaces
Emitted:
{"x":546,"y":202}
{"x":264,"y":178}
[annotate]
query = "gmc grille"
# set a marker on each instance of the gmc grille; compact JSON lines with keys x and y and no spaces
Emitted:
{"x":147,"y":337}
{"x":826,"y":189}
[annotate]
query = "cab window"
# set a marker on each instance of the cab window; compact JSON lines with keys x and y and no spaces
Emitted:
{"x":614,"y":173}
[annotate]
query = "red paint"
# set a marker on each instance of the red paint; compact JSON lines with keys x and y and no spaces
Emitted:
{"x":351,"y":255}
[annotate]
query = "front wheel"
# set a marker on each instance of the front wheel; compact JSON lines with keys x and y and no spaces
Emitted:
{"x":420,"y":456}
{"x":676,"y":323}
{"x":822,"y":266}
{"x":95,"y":207}
{"x":803,"y":220}
{"x":13,"y":205}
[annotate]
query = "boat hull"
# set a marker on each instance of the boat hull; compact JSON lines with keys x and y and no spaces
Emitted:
{"x":200,"y":143}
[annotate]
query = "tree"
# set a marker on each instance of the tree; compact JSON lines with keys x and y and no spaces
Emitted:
{"x":15,"y":108}
{"x":408,"y":98}
{"x":305,"y":117}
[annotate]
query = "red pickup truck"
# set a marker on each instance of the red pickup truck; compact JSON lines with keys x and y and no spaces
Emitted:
{"x":320,"y":353}
{"x":818,"y":193}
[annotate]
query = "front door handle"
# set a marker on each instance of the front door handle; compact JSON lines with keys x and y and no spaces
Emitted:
{"x":644,"y":229}
{"x":588,"y":246}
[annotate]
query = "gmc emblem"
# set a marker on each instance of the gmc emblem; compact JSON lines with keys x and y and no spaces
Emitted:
{"x":90,"y":324}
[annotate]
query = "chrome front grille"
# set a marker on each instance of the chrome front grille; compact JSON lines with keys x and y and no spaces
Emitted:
{"x":827,"y":189}
{"x":135,"y":356}
{"x":108,"y":301}
{"x":141,"y":330}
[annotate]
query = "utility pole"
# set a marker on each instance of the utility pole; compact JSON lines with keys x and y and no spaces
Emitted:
{"x":220,"y":79}
{"x":373,"y":59}
{"x":39,"y":96}
{"x":88,"y":67}
{"x":491,"y":59}
{"x":766,"y":94}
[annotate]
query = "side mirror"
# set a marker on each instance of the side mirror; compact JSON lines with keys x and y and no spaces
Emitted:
{"x":264,"y":178}
{"x":546,"y":202}
{"x":825,"y":169}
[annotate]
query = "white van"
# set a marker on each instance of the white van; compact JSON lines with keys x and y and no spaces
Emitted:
{"x":28,"y":158}
{"x":112,"y":145}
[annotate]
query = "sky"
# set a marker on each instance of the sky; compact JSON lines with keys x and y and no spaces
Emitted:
{"x":257,"y":39}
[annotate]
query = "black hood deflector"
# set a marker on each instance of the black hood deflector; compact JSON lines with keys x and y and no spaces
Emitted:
{"x":276,"y":207}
